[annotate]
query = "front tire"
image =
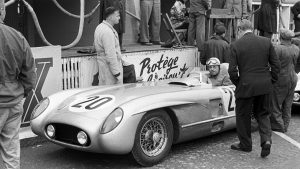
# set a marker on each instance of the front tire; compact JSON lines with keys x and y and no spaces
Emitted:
{"x":153,"y":138}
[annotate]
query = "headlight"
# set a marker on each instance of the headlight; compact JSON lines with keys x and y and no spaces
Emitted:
{"x":82,"y":138}
{"x":296,"y":97}
{"x":112,"y":121}
{"x":40,"y":108}
{"x":50,"y":131}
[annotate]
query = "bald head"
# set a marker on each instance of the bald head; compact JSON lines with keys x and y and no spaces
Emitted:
{"x":245,"y":24}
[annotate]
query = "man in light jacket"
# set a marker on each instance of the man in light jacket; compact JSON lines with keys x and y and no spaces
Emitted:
{"x":106,"y":43}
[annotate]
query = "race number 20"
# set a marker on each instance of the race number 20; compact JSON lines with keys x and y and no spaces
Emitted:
{"x":91,"y":103}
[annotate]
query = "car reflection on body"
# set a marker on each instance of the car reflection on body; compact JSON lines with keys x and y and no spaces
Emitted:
{"x":143,"y":119}
{"x":296,"y":99}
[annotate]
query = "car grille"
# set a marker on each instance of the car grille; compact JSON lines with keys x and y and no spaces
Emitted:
{"x":68,"y":134}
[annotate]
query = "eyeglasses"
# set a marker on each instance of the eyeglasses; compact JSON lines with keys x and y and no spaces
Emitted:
{"x":212,"y":62}
{"x":212,"y":67}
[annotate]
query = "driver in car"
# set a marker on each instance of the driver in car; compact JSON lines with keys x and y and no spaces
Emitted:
{"x":218,"y":73}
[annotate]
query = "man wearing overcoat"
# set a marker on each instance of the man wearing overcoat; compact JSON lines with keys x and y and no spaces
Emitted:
{"x":253,"y":68}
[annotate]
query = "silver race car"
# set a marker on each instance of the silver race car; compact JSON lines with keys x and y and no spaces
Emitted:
{"x":143,"y":119}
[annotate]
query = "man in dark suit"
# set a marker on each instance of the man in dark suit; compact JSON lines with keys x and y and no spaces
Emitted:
{"x":253,"y":67}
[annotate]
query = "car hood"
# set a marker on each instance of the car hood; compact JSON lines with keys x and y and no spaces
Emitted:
{"x":98,"y":102}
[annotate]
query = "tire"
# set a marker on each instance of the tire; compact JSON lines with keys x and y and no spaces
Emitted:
{"x":151,"y":145}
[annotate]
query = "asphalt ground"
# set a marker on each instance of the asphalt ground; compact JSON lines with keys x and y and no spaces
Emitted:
{"x":211,"y":152}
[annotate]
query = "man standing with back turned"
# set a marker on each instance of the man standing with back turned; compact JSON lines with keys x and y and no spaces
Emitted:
{"x":253,"y":68}
{"x":17,"y":79}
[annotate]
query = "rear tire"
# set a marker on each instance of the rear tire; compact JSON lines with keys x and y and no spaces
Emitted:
{"x":153,"y":138}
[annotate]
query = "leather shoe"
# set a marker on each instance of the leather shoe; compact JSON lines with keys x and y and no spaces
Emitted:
{"x":167,"y":45}
{"x":265,"y":149}
{"x":157,"y":43}
{"x":147,"y":43}
{"x":237,"y":146}
{"x":278,"y":130}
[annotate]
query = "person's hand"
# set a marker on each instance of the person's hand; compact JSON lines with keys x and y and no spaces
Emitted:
{"x":125,"y":63}
{"x":119,"y":80}
{"x":278,"y":2}
{"x":298,"y":16}
{"x":139,"y":79}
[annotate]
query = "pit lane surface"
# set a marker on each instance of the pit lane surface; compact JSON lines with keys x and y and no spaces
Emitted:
{"x":212,"y":152}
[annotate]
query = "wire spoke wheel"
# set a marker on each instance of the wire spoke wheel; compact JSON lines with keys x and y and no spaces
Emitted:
{"x":153,"y":138}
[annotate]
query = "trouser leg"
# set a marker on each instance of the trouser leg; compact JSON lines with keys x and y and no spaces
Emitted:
{"x":287,"y":106}
{"x":276,"y":111}
{"x":155,"y":21}
{"x":200,"y":31}
{"x":243,"y":121}
{"x":10,"y":120}
{"x":261,"y":106}
{"x":146,"y":9}
{"x":236,"y":22}
{"x":192,"y":29}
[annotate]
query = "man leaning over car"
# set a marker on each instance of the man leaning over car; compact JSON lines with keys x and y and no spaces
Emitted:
{"x":253,"y":68}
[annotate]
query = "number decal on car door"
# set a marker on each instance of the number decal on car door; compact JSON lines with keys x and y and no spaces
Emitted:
{"x":226,"y":90}
{"x":228,"y":97}
{"x":91,"y":103}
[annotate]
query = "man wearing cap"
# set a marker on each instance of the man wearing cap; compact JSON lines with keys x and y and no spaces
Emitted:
{"x":283,"y":91}
{"x":217,"y":46}
{"x":253,"y":68}
{"x":218,"y":73}
{"x":106,"y":43}
{"x":17,"y":79}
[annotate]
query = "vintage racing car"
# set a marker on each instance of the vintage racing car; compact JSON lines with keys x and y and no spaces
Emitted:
{"x":143,"y":119}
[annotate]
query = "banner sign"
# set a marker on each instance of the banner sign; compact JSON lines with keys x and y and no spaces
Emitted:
{"x":162,"y":64}
{"x":48,"y":70}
